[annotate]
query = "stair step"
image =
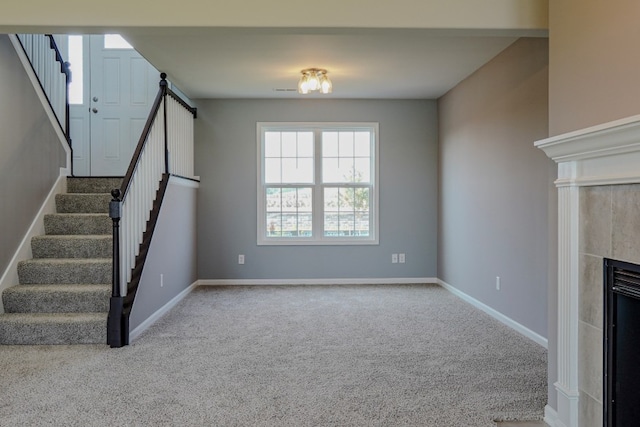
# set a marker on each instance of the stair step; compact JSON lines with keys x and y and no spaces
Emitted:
{"x":83,"y":203}
{"x":52,"y":298}
{"x":53,"y":328}
{"x":78,"y":246}
{"x":92,"y":184}
{"x":65,"y":271}
{"x":76,"y":224}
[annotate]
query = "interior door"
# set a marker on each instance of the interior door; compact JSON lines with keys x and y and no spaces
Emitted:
{"x":119,"y":89}
{"x":123,"y":88}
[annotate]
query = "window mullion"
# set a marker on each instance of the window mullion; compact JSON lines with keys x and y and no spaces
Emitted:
{"x":318,"y":193}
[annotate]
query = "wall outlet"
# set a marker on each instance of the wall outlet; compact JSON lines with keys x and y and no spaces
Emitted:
{"x":394,"y":258}
{"x":161,"y":280}
{"x":401,"y":258}
{"x":241,"y":259}
{"x":497,"y":283}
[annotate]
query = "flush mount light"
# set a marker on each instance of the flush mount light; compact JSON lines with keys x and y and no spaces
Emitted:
{"x":314,"y":80}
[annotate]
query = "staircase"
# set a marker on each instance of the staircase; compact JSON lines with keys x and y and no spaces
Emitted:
{"x":64,"y":291}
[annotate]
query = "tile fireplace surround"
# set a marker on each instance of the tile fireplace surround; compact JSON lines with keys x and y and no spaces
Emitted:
{"x":598,"y":216}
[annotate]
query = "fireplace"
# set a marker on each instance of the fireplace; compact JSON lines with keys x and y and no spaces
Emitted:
{"x":598,"y":190}
{"x":621,"y":343}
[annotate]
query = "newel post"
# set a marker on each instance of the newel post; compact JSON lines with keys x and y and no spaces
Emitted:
{"x":116,"y":335}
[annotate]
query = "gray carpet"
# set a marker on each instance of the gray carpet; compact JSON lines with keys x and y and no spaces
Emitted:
{"x":409,"y":355}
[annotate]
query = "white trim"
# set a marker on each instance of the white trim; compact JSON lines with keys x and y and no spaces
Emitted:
{"x":23,"y":252}
{"x":42,"y":96}
{"x":496,"y":314}
{"x":134,"y":334}
{"x":289,"y":282}
{"x":551,"y":417}
{"x":568,"y":406}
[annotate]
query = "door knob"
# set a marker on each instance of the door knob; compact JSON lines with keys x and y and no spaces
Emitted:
{"x":95,"y":110}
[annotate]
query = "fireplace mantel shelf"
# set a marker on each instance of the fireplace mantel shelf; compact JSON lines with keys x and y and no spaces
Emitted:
{"x":599,"y":155}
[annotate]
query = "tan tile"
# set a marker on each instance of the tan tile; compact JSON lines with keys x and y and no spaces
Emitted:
{"x":590,"y":411}
{"x":590,"y":359}
{"x":591,"y":292}
{"x":626,"y":222}
{"x":595,"y":220}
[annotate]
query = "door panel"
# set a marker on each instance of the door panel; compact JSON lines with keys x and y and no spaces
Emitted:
{"x":118,"y":90}
{"x":123,"y":88}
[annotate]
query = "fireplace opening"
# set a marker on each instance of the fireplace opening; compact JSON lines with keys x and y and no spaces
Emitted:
{"x":621,"y":344}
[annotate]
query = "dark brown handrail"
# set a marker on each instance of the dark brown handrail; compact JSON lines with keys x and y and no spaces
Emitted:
{"x":143,"y":138}
{"x":120,"y":307}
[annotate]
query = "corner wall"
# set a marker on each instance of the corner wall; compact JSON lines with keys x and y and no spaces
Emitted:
{"x":226,"y":159}
{"x":30,"y":153}
{"x":495,"y":186}
{"x":172,"y":253}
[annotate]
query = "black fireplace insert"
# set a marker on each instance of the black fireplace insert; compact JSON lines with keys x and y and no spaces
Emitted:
{"x":621,"y":344}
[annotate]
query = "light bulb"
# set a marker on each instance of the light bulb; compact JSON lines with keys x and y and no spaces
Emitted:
{"x":325,"y":84}
{"x":313,"y":81}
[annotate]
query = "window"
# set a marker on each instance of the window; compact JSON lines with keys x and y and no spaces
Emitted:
{"x":317,"y":183}
{"x":116,"y":41}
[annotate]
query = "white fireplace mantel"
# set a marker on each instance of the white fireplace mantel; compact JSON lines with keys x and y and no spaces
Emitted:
{"x":600,"y":155}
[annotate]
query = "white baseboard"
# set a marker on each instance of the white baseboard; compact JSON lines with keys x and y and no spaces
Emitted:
{"x":23,"y":252}
{"x":497,"y":315}
{"x":161,"y":312}
{"x":551,"y":417}
{"x":357,"y":281}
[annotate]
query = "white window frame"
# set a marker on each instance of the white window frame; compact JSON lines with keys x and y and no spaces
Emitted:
{"x":318,"y":237}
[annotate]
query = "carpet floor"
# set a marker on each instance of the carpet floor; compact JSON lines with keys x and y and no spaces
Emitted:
{"x":409,"y":355}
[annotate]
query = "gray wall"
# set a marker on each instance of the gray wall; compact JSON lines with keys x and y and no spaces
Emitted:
{"x":495,"y":185}
{"x":31,"y":154}
{"x":226,"y":162}
{"x":172,"y":252}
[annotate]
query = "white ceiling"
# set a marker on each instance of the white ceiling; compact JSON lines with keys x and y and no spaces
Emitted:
{"x":362,"y":63}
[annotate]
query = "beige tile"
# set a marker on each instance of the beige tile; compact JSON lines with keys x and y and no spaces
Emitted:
{"x":595,"y":220}
{"x":626,"y":222}
{"x":591,"y":292}
{"x":590,"y":359}
{"x":590,"y":412}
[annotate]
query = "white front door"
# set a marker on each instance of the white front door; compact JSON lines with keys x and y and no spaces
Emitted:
{"x":122,"y":86}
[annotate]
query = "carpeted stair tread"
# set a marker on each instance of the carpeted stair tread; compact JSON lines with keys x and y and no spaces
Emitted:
{"x":65,"y":271}
{"x":53,"y":328}
{"x":92,"y":185}
{"x":52,"y":298}
{"x":74,"y":246}
{"x":64,"y":291}
{"x":77,"y":223}
{"x":83,"y":202}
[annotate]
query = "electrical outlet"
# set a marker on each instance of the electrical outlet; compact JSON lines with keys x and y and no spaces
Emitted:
{"x":241,"y":259}
{"x":394,"y":258}
{"x":497,"y":283}
{"x":161,"y":280}
{"x":401,"y":258}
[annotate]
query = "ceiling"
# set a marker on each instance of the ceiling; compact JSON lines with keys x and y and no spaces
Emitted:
{"x":362,"y":63}
{"x":256,"y":49}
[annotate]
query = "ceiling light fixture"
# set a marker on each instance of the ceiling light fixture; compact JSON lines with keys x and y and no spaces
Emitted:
{"x":314,"y":80}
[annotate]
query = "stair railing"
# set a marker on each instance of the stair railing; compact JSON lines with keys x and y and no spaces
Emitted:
{"x":52,"y":72}
{"x":165,"y":148}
